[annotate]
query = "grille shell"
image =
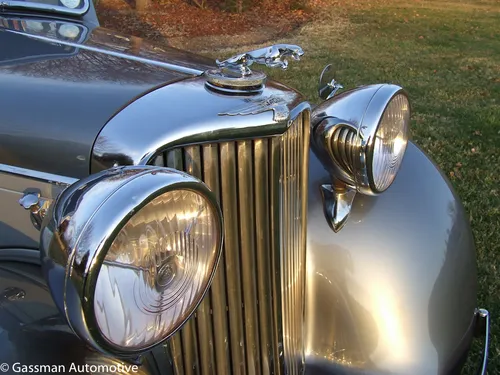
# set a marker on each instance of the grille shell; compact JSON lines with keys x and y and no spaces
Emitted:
{"x":251,"y":321}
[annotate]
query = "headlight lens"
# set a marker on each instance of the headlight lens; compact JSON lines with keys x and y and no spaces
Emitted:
{"x":128,"y":254}
{"x":390,"y":142}
{"x":156,"y":270}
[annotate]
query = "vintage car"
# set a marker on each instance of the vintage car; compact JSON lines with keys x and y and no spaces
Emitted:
{"x":163,"y":213}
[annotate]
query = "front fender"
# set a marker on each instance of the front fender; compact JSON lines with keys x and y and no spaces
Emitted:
{"x":395,"y":290}
{"x":34,"y":333}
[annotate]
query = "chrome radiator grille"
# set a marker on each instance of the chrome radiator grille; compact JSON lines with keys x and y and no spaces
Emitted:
{"x":251,"y":321}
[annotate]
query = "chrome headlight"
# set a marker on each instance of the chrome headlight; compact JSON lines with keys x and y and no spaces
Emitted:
{"x":362,"y":136}
{"x":129,"y":253}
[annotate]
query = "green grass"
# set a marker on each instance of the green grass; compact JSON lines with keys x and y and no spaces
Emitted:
{"x":447,"y":56}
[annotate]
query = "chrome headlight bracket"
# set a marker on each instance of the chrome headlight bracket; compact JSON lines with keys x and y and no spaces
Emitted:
{"x":82,"y":224}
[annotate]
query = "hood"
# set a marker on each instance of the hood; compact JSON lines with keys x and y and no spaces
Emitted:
{"x":61,"y":83}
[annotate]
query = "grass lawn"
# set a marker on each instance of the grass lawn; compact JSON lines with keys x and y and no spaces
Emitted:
{"x":447,"y":56}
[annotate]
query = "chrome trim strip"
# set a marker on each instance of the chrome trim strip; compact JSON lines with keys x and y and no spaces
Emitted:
{"x":264,"y":258}
{"x":247,"y":250}
{"x":37,"y":175}
{"x":295,"y":151}
{"x":484,"y":319}
{"x":193,"y":165}
{"x":188,"y":332}
{"x":173,"y":67}
{"x":218,"y":290}
{"x":190,"y":349}
{"x":229,"y":178}
{"x":275,"y":169}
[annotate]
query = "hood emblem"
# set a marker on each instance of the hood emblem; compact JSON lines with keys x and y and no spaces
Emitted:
{"x":234,"y":75}
{"x":275,"y":103}
{"x":272,"y":57}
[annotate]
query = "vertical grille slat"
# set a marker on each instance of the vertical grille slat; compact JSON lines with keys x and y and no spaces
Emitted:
{"x":232,"y":244}
{"x":189,"y":338}
{"x":251,"y":321}
{"x":218,"y":289}
{"x":264,"y":259}
{"x":276,"y":169}
{"x":193,"y":165}
{"x":247,"y":251}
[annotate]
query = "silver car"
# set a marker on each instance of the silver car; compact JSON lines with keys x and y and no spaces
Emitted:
{"x":163,"y":213}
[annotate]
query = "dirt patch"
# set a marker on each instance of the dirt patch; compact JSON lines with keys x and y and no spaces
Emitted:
{"x":189,"y":27}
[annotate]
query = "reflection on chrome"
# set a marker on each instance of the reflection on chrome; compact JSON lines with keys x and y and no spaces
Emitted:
{"x":156,"y":267}
{"x":71,"y":3}
{"x":69,"y":31}
{"x":391,"y":139}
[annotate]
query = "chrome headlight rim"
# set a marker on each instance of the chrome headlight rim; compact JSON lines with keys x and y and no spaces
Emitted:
{"x":86,"y":255}
{"x":366,"y":134}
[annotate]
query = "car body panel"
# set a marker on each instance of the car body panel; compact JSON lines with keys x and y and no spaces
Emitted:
{"x":71,"y":86}
{"x":395,"y":290}
{"x":16,"y":228}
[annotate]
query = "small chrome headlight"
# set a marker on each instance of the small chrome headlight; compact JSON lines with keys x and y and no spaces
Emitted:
{"x":129,"y":254}
{"x":361,"y":136}
{"x":382,"y":136}
{"x":390,"y":143}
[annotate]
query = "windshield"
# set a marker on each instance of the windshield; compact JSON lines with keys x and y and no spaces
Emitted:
{"x":72,"y":7}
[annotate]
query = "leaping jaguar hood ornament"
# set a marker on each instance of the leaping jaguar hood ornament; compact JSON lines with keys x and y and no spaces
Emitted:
{"x":234,"y":74}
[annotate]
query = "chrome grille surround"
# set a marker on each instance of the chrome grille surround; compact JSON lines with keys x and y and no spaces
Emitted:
{"x":252,"y":320}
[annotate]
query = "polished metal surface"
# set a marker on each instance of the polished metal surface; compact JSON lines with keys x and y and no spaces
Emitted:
{"x":395,"y":290}
{"x":170,"y":121}
{"x":257,"y":296}
{"x":337,"y":203}
{"x":33,"y":332}
{"x":235,"y":84}
{"x":81,"y":7}
{"x":30,"y":174}
{"x":328,"y":86}
{"x":295,"y":151}
{"x":484,"y":322}
{"x":349,"y":158}
{"x":278,"y":104}
{"x":37,"y":206}
{"x":16,"y":227}
{"x":59,"y":83}
{"x":234,"y":76}
{"x":274,"y":56}
{"x":81,"y":225}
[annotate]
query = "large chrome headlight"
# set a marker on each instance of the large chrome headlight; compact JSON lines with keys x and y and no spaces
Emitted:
{"x":129,"y":253}
{"x":362,"y":136}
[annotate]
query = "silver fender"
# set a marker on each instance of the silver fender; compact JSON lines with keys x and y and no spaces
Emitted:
{"x":395,"y":290}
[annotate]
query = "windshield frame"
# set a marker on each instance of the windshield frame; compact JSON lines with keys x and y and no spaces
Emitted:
{"x":49,"y":8}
